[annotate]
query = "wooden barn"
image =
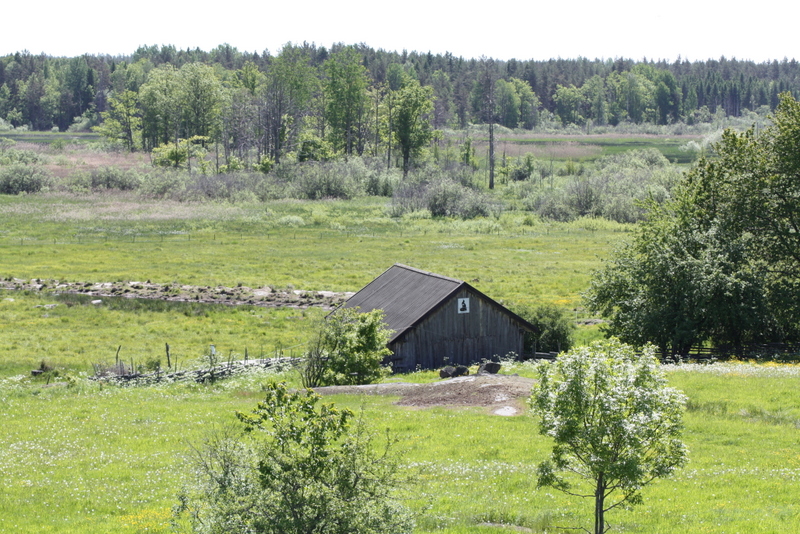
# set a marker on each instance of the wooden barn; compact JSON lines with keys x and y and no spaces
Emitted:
{"x":438,"y":320}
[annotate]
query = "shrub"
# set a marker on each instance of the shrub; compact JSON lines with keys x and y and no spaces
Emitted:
{"x":550,"y":204}
{"x":20,"y":178}
{"x":295,"y":469}
{"x":115,"y":178}
{"x":444,"y":198}
{"x":349,"y":348}
{"x":292,"y":221}
{"x":11,"y":156}
{"x":164,"y":183}
{"x":325,"y":180}
{"x":554,"y":330}
{"x":312,"y":148}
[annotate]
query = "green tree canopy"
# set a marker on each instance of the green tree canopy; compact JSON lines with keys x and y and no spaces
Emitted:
{"x":346,"y":99}
{"x":411,"y":124}
{"x":349,"y":348}
{"x":721,"y":262}
{"x":123,"y":121}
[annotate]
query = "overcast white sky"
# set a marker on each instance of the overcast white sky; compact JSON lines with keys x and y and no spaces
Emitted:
{"x":694,"y":30}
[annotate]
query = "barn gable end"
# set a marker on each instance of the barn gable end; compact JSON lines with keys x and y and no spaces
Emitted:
{"x":439,"y":320}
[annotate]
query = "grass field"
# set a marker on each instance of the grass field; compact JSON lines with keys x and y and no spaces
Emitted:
{"x":332,"y":245}
{"x":340,"y":246}
{"x":588,"y":148}
{"x":91,"y":459}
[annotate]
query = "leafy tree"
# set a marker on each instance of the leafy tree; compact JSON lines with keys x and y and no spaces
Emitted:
{"x":349,"y":348}
{"x":753,"y":186}
{"x":122,"y":121}
{"x":720,"y":263}
{"x":615,"y":424}
{"x":678,"y":287}
{"x":295,"y":469}
{"x":346,"y":99}
{"x":528,"y":103}
{"x":286,"y":100}
{"x":200,"y":100}
{"x":508,"y":103}
{"x":413,"y":105}
{"x":160,"y":101}
{"x":594,"y":92}
{"x":570,"y":105}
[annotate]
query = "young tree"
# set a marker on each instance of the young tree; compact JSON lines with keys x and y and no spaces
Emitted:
{"x":346,"y":99}
{"x":411,"y":122}
{"x":615,"y":424}
{"x":295,"y":469}
{"x":123,"y":121}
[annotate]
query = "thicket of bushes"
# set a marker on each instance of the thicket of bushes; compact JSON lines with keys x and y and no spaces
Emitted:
{"x":615,"y":187}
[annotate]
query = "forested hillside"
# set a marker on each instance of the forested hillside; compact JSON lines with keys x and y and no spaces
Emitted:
{"x":43,"y":92}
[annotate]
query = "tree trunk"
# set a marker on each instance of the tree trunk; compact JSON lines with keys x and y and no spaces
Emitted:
{"x":491,"y":153}
{"x":389,"y":144}
{"x":599,"y":501}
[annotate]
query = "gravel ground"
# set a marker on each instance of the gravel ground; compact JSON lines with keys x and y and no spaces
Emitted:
{"x":499,"y":394}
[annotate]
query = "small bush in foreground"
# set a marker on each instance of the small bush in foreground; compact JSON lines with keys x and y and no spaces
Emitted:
{"x":295,"y":469}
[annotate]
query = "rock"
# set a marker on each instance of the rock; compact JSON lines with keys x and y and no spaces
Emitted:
{"x":447,"y":372}
{"x":451,"y":372}
{"x":491,"y":368}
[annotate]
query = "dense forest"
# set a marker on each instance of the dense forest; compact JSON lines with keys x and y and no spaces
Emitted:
{"x":42,"y":92}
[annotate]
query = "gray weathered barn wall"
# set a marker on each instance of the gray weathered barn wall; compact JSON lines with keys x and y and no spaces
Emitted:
{"x":447,"y":337}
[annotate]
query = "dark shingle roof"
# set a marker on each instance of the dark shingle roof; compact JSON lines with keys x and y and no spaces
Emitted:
{"x":405,"y":295}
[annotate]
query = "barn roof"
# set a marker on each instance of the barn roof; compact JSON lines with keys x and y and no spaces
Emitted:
{"x":407,"y":295}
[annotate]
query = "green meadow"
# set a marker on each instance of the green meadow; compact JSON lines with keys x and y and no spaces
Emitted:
{"x":90,"y":458}
{"x":78,"y":456}
{"x":332,"y":245}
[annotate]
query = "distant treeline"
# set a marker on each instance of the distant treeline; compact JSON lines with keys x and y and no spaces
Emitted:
{"x":44,"y":92}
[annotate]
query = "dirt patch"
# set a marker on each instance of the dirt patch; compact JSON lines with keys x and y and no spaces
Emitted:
{"x":267,"y":297}
{"x":499,"y":394}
